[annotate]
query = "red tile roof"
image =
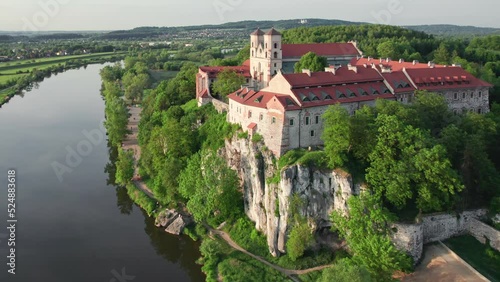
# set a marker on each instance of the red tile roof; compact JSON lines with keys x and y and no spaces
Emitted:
{"x":342,"y":75}
{"x":252,"y":125}
{"x":214,"y":71}
{"x":314,"y":97}
{"x":444,"y":78}
{"x":273,"y":31}
{"x":393,"y":65}
{"x":321,"y":49}
{"x":258,"y":31}
{"x":399,"y":82}
{"x":260,"y":99}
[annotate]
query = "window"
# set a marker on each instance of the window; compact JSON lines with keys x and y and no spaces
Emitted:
{"x":275,"y":45}
{"x":480,"y":94}
{"x":249,"y":114}
{"x":455,"y":96}
{"x":291,"y":122}
{"x":472,"y":95}
{"x":273,"y":120}
{"x":317,"y":119}
{"x":463,"y":95}
{"x":275,"y":55}
{"x":252,"y":44}
{"x":455,"y":111}
{"x":266,"y":45}
{"x":252,"y":53}
{"x":307,"y":120}
{"x":312,"y":133}
{"x":275,"y":65}
{"x":479,"y":111}
{"x":261,"y":117}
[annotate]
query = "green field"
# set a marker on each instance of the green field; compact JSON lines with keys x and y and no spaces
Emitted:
{"x":27,"y":65}
{"x":483,"y":258}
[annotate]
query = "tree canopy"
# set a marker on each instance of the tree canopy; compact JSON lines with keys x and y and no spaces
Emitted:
{"x":312,"y":62}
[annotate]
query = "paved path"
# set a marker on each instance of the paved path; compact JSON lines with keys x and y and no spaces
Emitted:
{"x":440,"y":265}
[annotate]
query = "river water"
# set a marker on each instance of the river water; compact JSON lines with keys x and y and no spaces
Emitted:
{"x":73,"y":224}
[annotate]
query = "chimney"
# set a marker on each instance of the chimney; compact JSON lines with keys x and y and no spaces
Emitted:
{"x":415,"y":62}
{"x":381,"y":60}
{"x":387,"y":60}
{"x":401,"y":61}
{"x":352,"y":68}
{"x":330,"y":69}
{"x":365,"y":65}
{"x":307,"y":71}
{"x":369,"y":58}
{"x":431,"y":64}
{"x":456,"y":65}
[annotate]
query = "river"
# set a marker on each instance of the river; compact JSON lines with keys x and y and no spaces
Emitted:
{"x":73,"y":224}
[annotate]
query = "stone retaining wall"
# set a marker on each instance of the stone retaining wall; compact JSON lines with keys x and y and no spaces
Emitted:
{"x":438,"y":227}
{"x":482,"y":231}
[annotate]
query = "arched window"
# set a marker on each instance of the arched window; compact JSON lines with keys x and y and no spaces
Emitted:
{"x":275,"y":55}
{"x":275,"y":45}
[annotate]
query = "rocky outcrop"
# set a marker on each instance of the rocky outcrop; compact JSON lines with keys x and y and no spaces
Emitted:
{"x":268,"y":204}
{"x":173,"y":221}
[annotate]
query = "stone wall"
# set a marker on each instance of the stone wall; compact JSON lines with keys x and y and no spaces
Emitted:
{"x":432,"y":228}
{"x":482,"y":231}
{"x":220,"y":106}
{"x":409,"y":237}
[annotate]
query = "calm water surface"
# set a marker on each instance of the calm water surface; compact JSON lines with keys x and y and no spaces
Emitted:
{"x":81,"y":228}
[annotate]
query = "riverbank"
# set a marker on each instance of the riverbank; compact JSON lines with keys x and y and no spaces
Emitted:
{"x":144,"y":197}
{"x":18,"y":76}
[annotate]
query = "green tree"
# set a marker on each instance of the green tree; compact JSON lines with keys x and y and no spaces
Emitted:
{"x":312,"y":62}
{"x":442,"y":54}
{"x":211,"y":188}
{"x":227,"y":82}
{"x":124,"y":167}
{"x":337,"y":135}
{"x":299,"y":240}
{"x":404,"y":164}
{"x":346,"y":270}
{"x":366,"y":228}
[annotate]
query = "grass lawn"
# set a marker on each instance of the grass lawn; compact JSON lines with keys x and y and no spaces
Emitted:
{"x":5,"y":78}
{"x":483,"y":258}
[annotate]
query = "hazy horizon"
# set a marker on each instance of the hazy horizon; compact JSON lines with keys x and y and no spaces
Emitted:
{"x":92,"y":15}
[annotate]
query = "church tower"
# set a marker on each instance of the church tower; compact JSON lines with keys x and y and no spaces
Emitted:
{"x":266,"y":57}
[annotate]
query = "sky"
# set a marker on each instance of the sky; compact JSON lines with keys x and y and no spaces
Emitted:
{"x":43,"y":15}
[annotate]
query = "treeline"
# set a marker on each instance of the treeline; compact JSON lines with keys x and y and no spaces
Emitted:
{"x":178,"y":143}
{"x":419,"y":157}
{"x":480,"y":56}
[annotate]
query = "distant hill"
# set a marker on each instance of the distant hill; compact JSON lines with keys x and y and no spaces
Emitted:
{"x":455,"y":30}
{"x":239,"y":29}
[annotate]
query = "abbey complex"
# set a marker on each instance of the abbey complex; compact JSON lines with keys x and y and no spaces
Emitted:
{"x":286,"y":107}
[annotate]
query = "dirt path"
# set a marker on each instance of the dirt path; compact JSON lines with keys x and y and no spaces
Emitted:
{"x":288,"y":272}
{"x":440,"y":265}
{"x":131,"y":143}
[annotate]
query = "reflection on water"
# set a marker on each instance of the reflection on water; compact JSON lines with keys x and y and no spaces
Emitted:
{"x":82,"y":228}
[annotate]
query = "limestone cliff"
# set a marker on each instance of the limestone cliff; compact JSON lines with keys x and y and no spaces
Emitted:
{"x":268,"y":204}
